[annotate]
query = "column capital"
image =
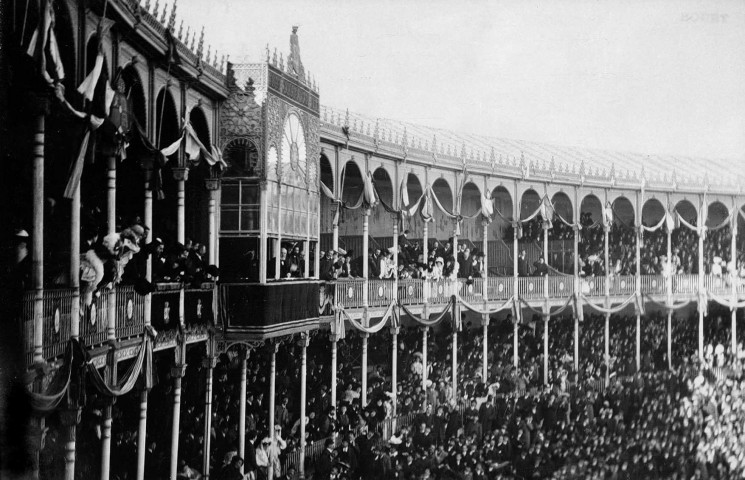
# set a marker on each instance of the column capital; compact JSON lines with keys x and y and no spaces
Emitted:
{"x":181,"y":174}
{"x":333,"y":337}
{"x":70,"y":416}
{"x":178,"y":371}
{"x":365,"y":335}
{"x":395,"y":330}
{"x":212,"y":183}
{"x":304,"y":340}
{"x":209,"y":361}
{"x":424,"y":329}
{"x":485,"y":320}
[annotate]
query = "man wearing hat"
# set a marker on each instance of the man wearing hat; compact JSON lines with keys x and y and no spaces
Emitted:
{"x":326,"y":461}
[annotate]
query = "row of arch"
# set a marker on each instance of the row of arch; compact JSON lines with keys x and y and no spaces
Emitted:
{"x":625,"y":211}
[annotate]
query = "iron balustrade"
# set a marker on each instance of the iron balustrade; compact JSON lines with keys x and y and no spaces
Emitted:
{"x":531,"y":288}
{"x":57,"y":313}
{"x":560,"y":287}
{"x":380,"y":293}
{"x":28,"y":325}
{"x":719,"y":285}
{"x":653,"y":284}
{"x":411,"y":291}
{"x":130,"y":312}
{"x":349,"y":292}
{"x":622,"y":285}
{"x":500,"y":288}
{"x":471,"y":290}
{"x":199,"y":304}
{"x":685,"y":284}
{"x":94,"y":320}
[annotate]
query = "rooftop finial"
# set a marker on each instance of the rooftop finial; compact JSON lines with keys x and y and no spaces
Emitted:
{"x":147,"y":6}
{"x":200,"y":47}
{"x":207,"y":58}
{"x":274,"y":57}
{"x":294,"y":64}
{"x":172,"y":18}
{"x":156,"y":7}
{"x":181,"y":30}
{"x":163,"y":15}
{"x":267,"y":53}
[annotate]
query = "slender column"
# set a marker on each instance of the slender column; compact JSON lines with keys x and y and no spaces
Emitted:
{"x":210,"y":362}
{"x":424,"y":357}
{"x":485,"y":351}
{"x":242,"y":406}
{"x":306,"y":257}
{"x":213,"y":187}
{"x":365,"y":254}
{"x":272,"y":391}
{"x":669,"y":288}
{"x":733,"y":281}
{"x":485,"y":249}
{"x":181,"y":174}
{"x":364,"y":370}
{"x":669,"y":339}
{"x":394,"y":369}
{"x":546,"y":318}
{"x":106,"y":440}
{"x":263,"y":239}
{"x":545,"y":258}
{"x":75,"y":265}
{"x":278,"y":241}
{"x":334,"y":379}
{"x":277,"y":258}
{"x":142,"y":435}
{"x":304,"y":340}
{"x":455,"y":364}
{"x":177,"y":373}
{"x":111,"y":214}
{"x":395,"y":255}
{"x":149,"y":262}
{"x":515,"y":332}
{"x":425,"y":241}
{"x":638,"y":341}
{"x":606,"y":238}
{"x":515,"y":286}
{"x":577,"y":292}
{"x":70,"y":418}
{"x":702,"y":299}
{"x":638,"y":278}
{"x":37,"y":240}
{"x":335,"y":231}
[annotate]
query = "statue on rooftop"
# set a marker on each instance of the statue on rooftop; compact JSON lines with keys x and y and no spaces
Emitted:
{"x":294,"y":64}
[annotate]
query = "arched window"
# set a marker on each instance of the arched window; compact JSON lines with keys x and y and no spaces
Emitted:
{"x":242,"y":158}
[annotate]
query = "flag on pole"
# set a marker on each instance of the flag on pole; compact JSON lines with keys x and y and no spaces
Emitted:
{"x":43,"y":47}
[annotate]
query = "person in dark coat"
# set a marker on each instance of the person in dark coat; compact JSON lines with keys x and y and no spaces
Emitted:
{"x":250,"y":453}
{"x":522,"y":265}
{"x":326,"y":461}
{"x":233,"y":470}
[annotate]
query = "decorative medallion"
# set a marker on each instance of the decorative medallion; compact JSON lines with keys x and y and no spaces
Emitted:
{"x":623,"y":283}
{"x":530,"y":287}
{"x":439,"y":289}
{"x":350,"y":292}
{"x":199,"y":308}
{"x":93,"y":314}
{"x":561,"y":286}
{"x":380,"y":291}
{"x":410,"y":290}
{"x":654,"y":283}
{"x":501,"y":288}
{"x":470,"y":288}
{"x":130,"y":309}
{"x":56,"y":320}
{"x":166,"y":312}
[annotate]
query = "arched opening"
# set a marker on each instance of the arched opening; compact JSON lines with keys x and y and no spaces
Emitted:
{"x":592,"y":246}
{"x":654,"y":246}
{"x":167,"y":131}
{"x":381,"y":223}
{"x":471,"y":230}
{"x":414,"y":223}
{"x":441,"y":229}
{"x":328,"y":210}
{"x":561,"y":235}
{"x":718,"y":239}
{"x":197,"y":196}
{"x":531,"y":241}
{"x":685,"y":241}
{"x":501,"y":234}
{"x":350,"y":221}
{"x":242,"y":158}
{"x":622,"y":242}
{"x":135,"y":92}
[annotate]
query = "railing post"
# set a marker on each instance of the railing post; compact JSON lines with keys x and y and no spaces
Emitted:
{"x":395,"y":217}
{"x":75,"y":265}
{"x":181,"y":174}
{"x":701,"y":289}
{"x":456,"y":322}
{"x":606,"y":237}
{"x":546,"y":319}
{"x":142,"y":435}
{"x":263,"y":239}
{"x":424,"y":357}
{"x":335,"y":234}
{"x":210,"y":362}
{"x":177,"y":373}
{"x":274,"y":346}
{"x":363,"y":397}
{"x":394,"y":374}
{"x":669,"y":289}
{"x":733,"y":278}
{"x":242,"y":405}
{"x":485,"y":247}
{"x":111,"y":213}
{"x":638,"y":290}
{"x":148,"y":218}
{"x":484,"y":352}
{"x":365,"y":255}
{"x":334,"y":338}
{"x":70,"y":419}
{"x":213,"y":187}
{"x":37,"y":241}
{"x":515,"y":295}
{"x":304,"y":340}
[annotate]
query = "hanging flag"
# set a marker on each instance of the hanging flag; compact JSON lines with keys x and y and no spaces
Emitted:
{"x":487,"y":206}
{"x":172,"y":55}
{"x":404,"y":195}
{"x":43,"y":47}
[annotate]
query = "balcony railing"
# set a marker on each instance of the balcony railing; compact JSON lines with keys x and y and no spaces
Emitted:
{"x":130,"y":312}
{"x":500,"y":288}
{"x":94,"y":320}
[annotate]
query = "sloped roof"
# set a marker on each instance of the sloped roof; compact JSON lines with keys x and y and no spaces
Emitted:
{"x":467,"y":145}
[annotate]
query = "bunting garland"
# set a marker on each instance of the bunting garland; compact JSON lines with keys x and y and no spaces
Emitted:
{"x":425,"y":321}
{"x":504,"y":306}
